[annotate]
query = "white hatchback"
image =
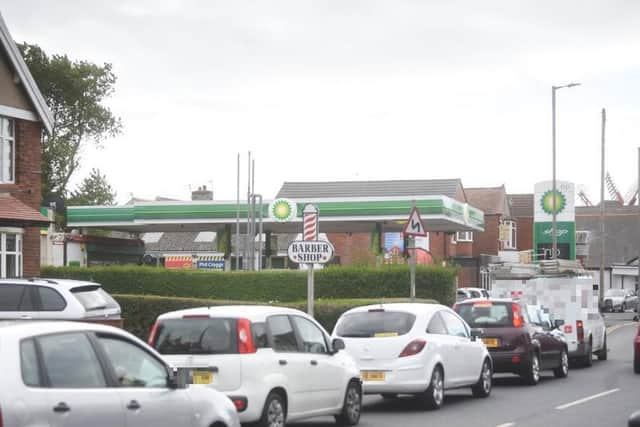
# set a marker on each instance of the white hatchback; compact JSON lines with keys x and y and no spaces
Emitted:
{"x":74,"y":374}
{"x":420,"y":349}
{"x":276,"y":364}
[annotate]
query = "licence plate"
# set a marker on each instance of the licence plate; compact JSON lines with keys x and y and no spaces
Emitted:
{"x":490,"y":342}
{"x":202,"y":377}
{"x":372,"y":375}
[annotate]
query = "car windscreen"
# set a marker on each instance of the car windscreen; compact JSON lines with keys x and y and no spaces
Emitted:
{"x":375,"y":323}
{"x":486,"y":314}
{"x":197,"y":336}
{"x":94,"y":298}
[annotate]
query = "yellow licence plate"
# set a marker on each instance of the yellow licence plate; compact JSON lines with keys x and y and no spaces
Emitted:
{"x":490,"y":342}
{"x":202,"y":377}
{"x":372,"y":375}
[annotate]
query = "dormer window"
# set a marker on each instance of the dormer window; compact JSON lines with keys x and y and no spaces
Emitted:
{"x":7,"y":151}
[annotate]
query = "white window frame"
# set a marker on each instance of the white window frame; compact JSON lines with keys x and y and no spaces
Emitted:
{"x":464,"y":236}
{"x":513,"y":231}
{"x":19,"y":260}
{"x":12,"y":140}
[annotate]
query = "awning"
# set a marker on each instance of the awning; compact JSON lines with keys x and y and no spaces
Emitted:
{"x":17,"y":213}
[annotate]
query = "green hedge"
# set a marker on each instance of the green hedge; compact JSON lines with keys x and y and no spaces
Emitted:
{"x":140,"y":311}
{"x":432,"y":282}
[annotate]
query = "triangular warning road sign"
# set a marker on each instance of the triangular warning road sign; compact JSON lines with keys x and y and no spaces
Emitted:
{"x":415,"y":226}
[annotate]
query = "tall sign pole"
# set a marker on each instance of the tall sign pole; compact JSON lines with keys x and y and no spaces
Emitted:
{"x":414,"y":227}
{"x":638,"y":199}
{"x":310,"y":234}
{"x":602,"y":230}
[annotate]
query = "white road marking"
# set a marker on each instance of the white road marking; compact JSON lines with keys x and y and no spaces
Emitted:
{"x":586,"y":399}
{"x":506,"y":425}
{"x":614,"y":328}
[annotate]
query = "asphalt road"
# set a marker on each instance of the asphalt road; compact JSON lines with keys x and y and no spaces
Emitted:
{"x":603,"y":395}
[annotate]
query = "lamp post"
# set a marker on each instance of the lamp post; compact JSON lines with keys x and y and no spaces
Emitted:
{"x":554,"y":236}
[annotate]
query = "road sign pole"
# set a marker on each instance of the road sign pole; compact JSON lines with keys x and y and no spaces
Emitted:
{"x":412,"y":267}
{"x":310,"y":296}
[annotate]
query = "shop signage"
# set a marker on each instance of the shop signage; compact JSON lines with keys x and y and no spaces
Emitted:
{"x":211,"y":264}
{"x":282,"y":210}
{"x":310,"y":252}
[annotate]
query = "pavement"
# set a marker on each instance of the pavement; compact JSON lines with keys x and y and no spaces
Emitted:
{"x":603,"y":395}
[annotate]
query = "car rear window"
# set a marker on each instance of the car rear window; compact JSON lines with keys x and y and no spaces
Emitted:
{"x":197,"y":336}
{"x":94,"y":298}
{"x":486,"y":314}
{"x":376,"y":323}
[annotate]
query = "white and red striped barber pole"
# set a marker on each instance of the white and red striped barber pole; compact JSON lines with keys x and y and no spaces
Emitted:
{"x":310,"y":223}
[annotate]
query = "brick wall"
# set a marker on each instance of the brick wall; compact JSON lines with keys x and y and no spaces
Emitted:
{"x":487,"y":241}
{"x":352,"y":248}
{"x":524,"y":237}
{"x":27,"y":187}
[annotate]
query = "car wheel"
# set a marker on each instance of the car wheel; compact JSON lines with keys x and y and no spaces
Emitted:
{"x":602,"y":354}
{"x":636,"y":366}
{"x":433,"y":396}
{"x":532,"y":375}
{"x":483,"y":387}
{"x":388,"y":396}
{"x":563,"y":370}
{"x":623,"y":308}
{"x":274,"y":412}
{"x":352,"y":406}
{"x":587,"y":360}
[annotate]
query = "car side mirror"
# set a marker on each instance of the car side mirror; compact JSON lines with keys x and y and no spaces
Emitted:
{"x":634,"y":419}
{"x":557,"y":323}
{"x":337,"y":344}
{"x":476,"y":333}
{"x":176,"y":378}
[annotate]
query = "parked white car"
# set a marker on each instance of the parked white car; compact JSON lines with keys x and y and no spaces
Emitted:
{"x":619,"y":300}
{"x":468,"y":293}
{"x":420,"y":349}
{"x":56,"y":299}
{"x":75,"y":374}
{"x":276,"y":364}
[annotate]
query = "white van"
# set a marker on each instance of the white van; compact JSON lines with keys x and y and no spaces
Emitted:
{"x":574,"y":302}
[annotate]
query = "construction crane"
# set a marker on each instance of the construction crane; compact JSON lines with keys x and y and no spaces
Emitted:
{"x":584,"y":198}
{"x":613,"y":189}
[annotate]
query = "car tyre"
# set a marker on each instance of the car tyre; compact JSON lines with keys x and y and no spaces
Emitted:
{"x":602,"y":354}
{"x":433,"y":396}
{"x":587,"y":360}
{"x":623,"y":308}
{"x":636,"y":366}
{"x":274,"y":413}
{"x":352,"y":406}
{"x":532,"y":375}
{"x":483,"y":387}
{"x":563,"y":370}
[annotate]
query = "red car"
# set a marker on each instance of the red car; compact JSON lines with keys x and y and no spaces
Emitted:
{"x":636,"y":352}
{"x":517,"y":343}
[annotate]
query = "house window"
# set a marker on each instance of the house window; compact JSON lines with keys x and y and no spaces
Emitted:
{"x":7,"y":150}
{"x":510,"y":234}
{"x":10,"y":253}
{"x":464,"y":236}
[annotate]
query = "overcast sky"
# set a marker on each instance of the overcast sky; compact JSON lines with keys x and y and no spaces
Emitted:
{"x":353,"y":90}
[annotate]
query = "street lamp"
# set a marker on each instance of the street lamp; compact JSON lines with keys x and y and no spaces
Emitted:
{"x":554,"y":237}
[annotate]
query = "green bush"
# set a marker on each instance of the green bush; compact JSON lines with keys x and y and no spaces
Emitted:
{"x":141,"y":311}
{"x":432,"y":282}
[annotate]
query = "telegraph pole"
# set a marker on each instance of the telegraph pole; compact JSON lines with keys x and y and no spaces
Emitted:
{"x":602,"y":229}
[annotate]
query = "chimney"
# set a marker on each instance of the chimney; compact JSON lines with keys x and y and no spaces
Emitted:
{"x":202,"y":194}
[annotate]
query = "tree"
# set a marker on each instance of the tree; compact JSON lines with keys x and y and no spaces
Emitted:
{"x":74,"y":91}
{"x":94,"y":190}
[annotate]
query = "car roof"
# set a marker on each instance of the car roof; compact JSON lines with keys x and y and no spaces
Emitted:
{"x":409,"y":307}
{"x":25,"y":328}
{"x":500,"y":300}
{"x":233,"y":311}
{"x":62,"y":283}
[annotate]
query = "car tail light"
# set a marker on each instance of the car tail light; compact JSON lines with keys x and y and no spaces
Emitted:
{"x":152,"y":337}
{"x":580,"y":330}
{"x":414,"y":347}
{"x":518,"y":321}
{"x":568,"y":329}
{"x":245,"y":337}
{"x":239,"y":402}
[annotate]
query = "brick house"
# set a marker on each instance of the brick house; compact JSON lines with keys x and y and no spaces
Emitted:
{"x":24,"y":115}
{"x":522,"y":212}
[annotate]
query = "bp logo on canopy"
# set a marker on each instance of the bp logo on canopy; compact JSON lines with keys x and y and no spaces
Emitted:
{"x":282,"y":210}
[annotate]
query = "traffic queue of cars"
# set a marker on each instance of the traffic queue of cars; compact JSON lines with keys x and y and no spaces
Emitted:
{"x":221,"y":366}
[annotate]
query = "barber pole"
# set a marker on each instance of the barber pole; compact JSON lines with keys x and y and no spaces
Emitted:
{"x":310,"y":223}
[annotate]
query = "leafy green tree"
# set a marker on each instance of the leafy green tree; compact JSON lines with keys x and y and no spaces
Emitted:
{"x":75,"y":92}
{"x":94,"y":190}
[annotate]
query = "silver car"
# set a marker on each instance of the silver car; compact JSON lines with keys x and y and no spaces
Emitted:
{"x":56,"y":299}
{"x":76,"y":374}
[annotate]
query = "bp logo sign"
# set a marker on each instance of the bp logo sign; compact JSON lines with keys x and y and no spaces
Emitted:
{"x":282,"y":210}
{"x":548,"y":200}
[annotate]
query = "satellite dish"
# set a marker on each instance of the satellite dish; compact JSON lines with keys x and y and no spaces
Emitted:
{"x":55,"y":202}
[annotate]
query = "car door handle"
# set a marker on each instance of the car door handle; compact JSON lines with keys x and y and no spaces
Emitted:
{"x":282,"y":362}
{"x":133,"y":405}
{"x":25,"y":317}
{"x":61,"y":407}
{"x":314,"y":362}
